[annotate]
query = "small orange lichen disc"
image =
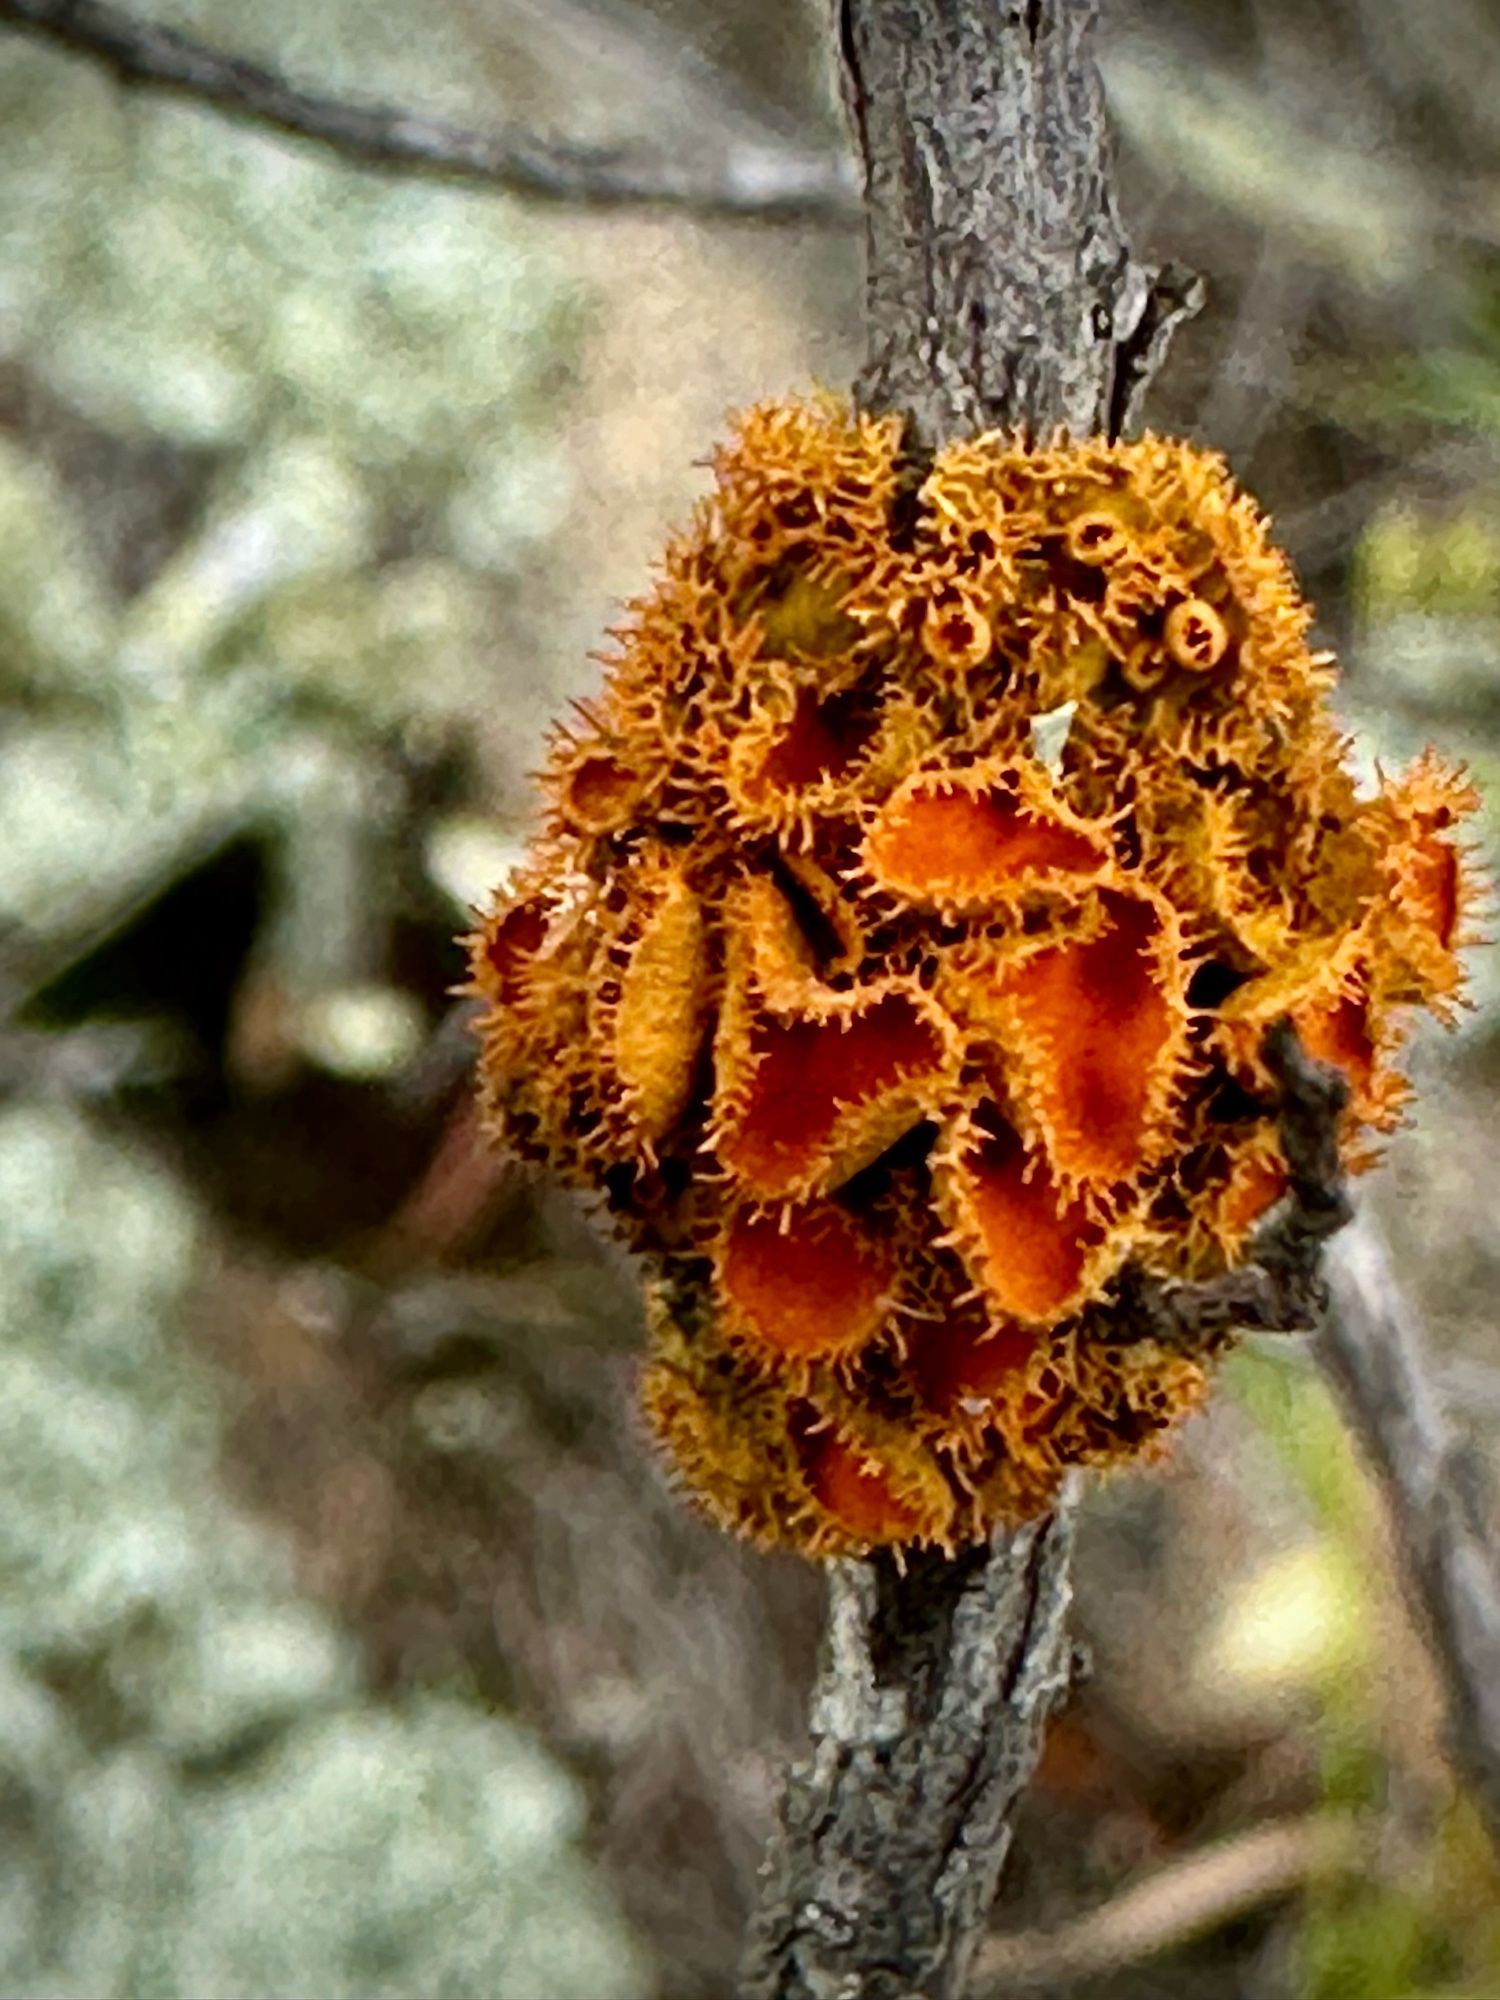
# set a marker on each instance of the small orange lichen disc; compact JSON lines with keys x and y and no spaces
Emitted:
{"x":1097,"y":538}
{"x":506,"y":948}
{"x":963,"y":1360}
{"x":1096,"y":1019}
{"x":858,"y":1491}
{"x":813,"y":1284}
{"x":1195,"y":635}
{"x":599,"y":792}
{"x":817,"y":741}
{"x":1028,"y":1247}
{"x":826,"y":1095}
{"x":955,"y":632}
{"x":889,"y":1023}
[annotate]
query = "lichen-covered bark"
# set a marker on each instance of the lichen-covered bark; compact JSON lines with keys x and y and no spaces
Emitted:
{"x":1001,"y":293}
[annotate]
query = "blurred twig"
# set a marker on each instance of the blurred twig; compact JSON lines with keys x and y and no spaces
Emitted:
{"x":1186,"y":1899}
{"x":768,"y":180}
{"x":1374,"y":1352}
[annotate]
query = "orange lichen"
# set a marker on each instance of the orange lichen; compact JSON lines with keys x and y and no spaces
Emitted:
{"x":859,"y":1492}
{"x":1027,"y":1245}
{"x":1098,"y":1022}
{"x":1195,"y":635}
{"x":510,"y":945}
{"x":965,"y":840}
{"x":598,"y":792}
{"x":827,"y":1094}
{"x":811,"y":1283}
{"x":970,"y":1360}
{"x":1338,"y":1031}
{"x":899,"y":956}
{"x":1256,"y":1182}
{"x":659,"y":1017}
{"x":955,"y":632}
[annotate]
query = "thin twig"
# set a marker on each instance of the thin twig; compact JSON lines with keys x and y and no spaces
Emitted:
{"x":1374,"y":1352}
{"x":768,"y":181}
{"x":1186,"y":1899}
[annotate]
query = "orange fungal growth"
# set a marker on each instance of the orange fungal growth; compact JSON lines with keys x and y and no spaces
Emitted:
{"x":1027,"y":1245}
{"x":955,"y":632}
{"x":1256,"y":1182}
{"x":507,"y":952}
{"x":1099,"y":1024}
{"x":963,"y":841}
{"x":961,"y":1362}
{"x":598,"y":793}
{"x":860,"y":1492}
{"x":1337,"y":1031}
{"x":827,"y":1094}
{"x":659,"y":1017}
{"x":1195,"y":635}
{"x":897,"y":959}
{"x":811,"y":1284}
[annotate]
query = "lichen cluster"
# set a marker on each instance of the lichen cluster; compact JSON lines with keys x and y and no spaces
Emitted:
{"x":899,"y":952}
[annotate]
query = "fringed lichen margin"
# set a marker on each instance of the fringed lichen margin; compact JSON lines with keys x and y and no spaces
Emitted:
{"x":899,"y":953}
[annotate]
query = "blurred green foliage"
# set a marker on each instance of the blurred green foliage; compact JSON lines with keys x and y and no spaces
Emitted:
{"x":1425,"y":1919}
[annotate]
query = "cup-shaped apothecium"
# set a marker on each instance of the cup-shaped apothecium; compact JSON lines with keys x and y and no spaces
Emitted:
{"x":899,"y":952}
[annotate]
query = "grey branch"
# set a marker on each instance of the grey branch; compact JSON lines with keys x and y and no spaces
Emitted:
{"x":1000,"y":291}
{"x":1374,"y":1352}
{"x":935,"y":1687}
{"x":769,"y":181}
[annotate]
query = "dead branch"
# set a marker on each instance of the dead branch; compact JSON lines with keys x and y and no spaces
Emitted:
{"x":1186,"y":1899}
{"x":1374,"y":1352}
{"x":1000,"y":291}
{"x":767,"y":181}
{"x":927,"y":1720}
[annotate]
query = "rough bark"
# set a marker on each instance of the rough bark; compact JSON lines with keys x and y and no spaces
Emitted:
{"x":1001,"y":291}
{"x":1001,"y":288}
{"x":935,"y":1688}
